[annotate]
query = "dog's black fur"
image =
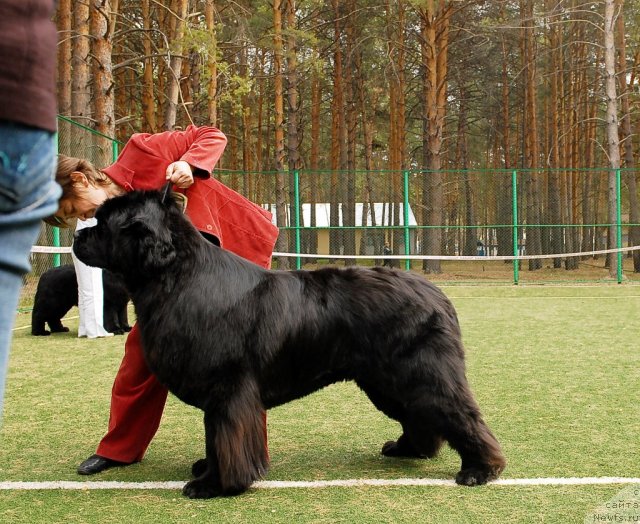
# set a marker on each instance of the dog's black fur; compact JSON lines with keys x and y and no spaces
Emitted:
{"x":233,"y":339}
{"x":57,"y":293}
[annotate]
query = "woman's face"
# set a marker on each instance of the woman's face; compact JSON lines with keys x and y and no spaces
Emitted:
{"x":84,"y":199}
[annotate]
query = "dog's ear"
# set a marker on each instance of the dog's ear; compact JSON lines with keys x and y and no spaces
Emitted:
{"x":155,"y":246}
{"x":157,"y":252}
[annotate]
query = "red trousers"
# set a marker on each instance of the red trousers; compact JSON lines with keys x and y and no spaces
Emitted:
{"x":137,"y":403}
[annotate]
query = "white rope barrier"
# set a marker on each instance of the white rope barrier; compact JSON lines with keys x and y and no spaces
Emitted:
{"x":50,"y":249}
{"x":461,"y":257}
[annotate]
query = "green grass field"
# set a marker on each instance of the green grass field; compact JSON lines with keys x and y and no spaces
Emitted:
{"x":556,"y":371}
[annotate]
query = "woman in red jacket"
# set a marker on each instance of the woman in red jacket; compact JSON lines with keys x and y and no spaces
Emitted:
{"x":186,"y":159}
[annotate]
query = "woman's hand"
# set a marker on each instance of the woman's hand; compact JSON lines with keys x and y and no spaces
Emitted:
{"x":180,"y":174}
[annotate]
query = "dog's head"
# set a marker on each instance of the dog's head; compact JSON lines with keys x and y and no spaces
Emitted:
{"x":134,"y":235}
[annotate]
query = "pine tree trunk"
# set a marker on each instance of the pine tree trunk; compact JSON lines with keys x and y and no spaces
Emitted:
{"x":64,"y":56}
{"x":627,"y":139}
{"x":102,"y":13}
{"x":338,"y":137}
{"x":349,"y":203}
{"x":293,"y":151}
{"x":613,"y":141}
{"x":80,"y":87}
{"x":434,"y":49}
{"x":505,"y":211}
{"x":148,"y":97}
{"x":212,"y":63}
{"x":175,"y":65}
{"x":553,"y":133}
{"x":532,"y":178}
{"x":314,"y":158}
{"x":281,"y":204}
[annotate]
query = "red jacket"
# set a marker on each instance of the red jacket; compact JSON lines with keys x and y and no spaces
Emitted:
{"x":240,"y":225}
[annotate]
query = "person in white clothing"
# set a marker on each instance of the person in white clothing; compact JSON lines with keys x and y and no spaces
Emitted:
{"x":90,"y":294}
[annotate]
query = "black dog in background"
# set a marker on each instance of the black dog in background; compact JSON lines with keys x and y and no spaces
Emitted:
{"x":232,"y":338}
{"x":57,"y":293}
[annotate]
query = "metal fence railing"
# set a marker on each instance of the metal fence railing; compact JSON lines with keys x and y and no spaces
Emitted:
{"x":469,"y":220}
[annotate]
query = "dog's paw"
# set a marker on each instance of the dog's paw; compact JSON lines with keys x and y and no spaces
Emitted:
{"x":199,"y":467}
{"x":393,"y":448}
{"x":120,"y":329}
{"x":390,"y":449}
{"x":201,"y":489}
{"x":476,"y":476}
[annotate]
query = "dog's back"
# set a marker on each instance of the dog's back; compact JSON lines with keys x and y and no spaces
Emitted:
{"x":349,"y":322}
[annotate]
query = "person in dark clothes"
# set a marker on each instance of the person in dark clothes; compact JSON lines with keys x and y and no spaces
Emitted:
{"x":28,"y":109}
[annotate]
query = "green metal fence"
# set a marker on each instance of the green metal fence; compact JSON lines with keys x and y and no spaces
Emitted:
{"x":469,"y":219}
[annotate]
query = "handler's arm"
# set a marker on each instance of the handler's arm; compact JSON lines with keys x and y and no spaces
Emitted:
{"x":206,"y":147}
{"x":200,"y":147}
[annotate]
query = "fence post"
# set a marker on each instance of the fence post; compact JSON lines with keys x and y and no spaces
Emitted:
{"x":514,"y":186}
{"x":407,"y":236}
{"x":618,"y":226}
{"x":114,"y":150}
{"x":56,"y":230}
{"x":296,"y":190}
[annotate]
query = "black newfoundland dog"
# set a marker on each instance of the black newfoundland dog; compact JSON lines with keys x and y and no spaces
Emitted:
{"x":232,"y":339}
{"x":57,"y":293}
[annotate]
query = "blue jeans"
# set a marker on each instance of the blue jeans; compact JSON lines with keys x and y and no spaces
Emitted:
{"x":28,"y":193}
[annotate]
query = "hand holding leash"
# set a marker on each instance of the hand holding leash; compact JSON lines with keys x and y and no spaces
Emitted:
{"x":179,"y":173}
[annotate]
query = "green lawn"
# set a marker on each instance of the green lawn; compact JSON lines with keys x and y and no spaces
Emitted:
{"x":556,"y":371}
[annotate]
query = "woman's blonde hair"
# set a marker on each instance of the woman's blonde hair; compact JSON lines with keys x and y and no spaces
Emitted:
{"x":66,"y":166}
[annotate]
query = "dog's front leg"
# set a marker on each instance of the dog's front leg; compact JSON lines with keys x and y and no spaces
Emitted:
{"x":235,"y":445}
{"x":206,"y":483}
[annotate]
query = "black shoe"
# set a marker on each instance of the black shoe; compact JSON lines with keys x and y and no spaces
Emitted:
{"x":95,"y":464}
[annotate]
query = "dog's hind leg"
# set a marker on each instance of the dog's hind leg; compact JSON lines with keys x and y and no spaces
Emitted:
{"x":235,"y":446}
{"x":457,"y":419}
{"x":55,"y":324}
{"x":426,"y":447}
{"x":467,"y":433}
{"x":389,"y":406}
{"x":439,"y":404}
{"x":38,"y":327}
